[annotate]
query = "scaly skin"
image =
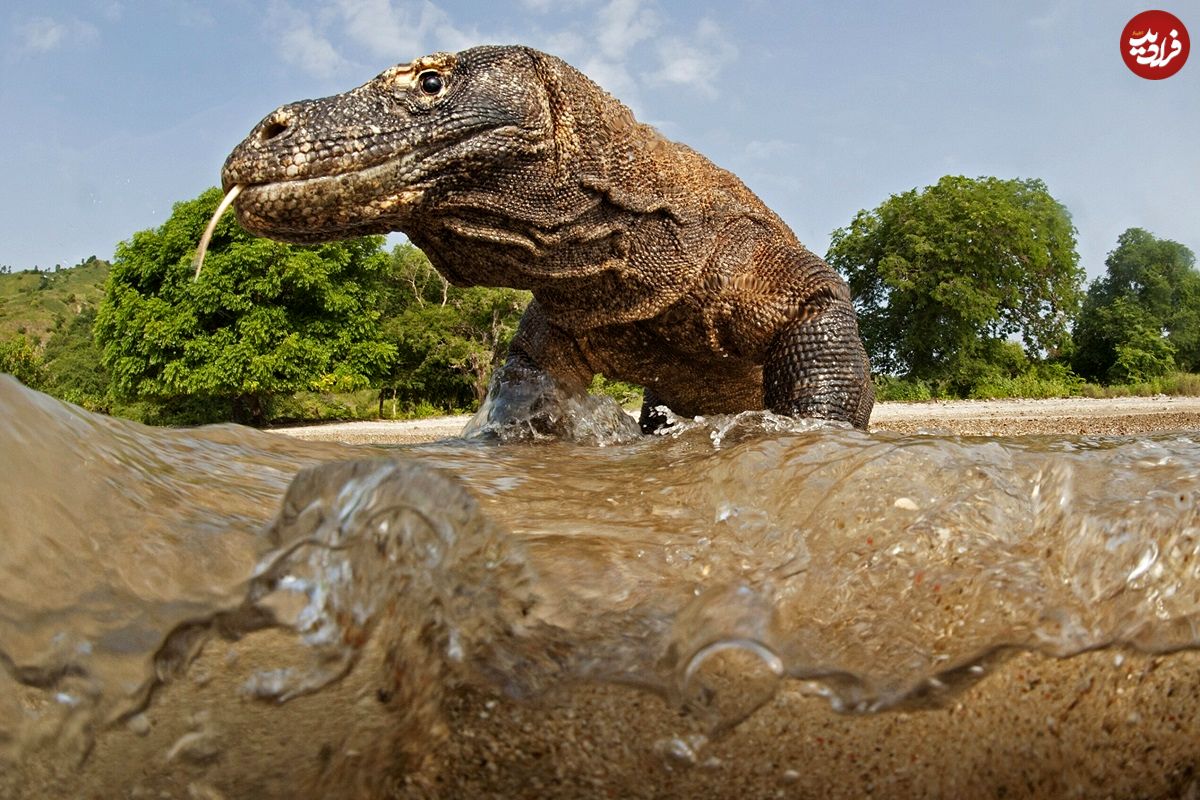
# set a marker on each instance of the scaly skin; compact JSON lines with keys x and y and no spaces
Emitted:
{"x":647,"y":263}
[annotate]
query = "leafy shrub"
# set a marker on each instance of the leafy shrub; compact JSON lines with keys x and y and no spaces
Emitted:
{"x":1144,"y":356}
{"x":21,"y":359}
{"x":890,"y":389}
{"x":1038,"y":381}
{"x":1179,"y":384}
{"x":627,"y":394}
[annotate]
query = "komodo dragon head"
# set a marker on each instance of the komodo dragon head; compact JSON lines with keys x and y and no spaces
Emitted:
{"x":366,"y":161}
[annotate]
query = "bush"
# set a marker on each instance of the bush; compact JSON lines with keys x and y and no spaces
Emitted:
{"x":627,"y":394}
{"x":1141,"y":319}
{"x":426,"y":409}
{"x":20,"y":358}
{"x":264,"y":320}
{"x":1038,"y":381}
{"x":1183,"y":384}
{"x":324,"y":406}
{"x":1178,"y":384}
{"x":890,"y":389}
{"x":184,"y":410}
{"x":940,"y":274}
{"x":1144,"y":356}
{"x":75,"y":371}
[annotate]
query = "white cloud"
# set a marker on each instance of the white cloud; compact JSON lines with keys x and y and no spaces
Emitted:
{"x":443,"y":34}
{"x":395,"y":30}
{"x":622,"y":24}
{"x":43,"y":34}
{"x":564,"y":44}
{"x":609,"y":46}
{"x":613,"y":76}
{"x":302,"y":46}
{"x":543,"y":6}
{"x":633,"y":51}
{"x":623,"y":45}
{"x":301,"y":41}
{"x":697,"y":61}
{"x":335,"y":35}
{"x":384,"y":28}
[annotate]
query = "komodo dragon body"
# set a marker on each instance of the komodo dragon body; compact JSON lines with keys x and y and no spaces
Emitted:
{"x":647,"y":263}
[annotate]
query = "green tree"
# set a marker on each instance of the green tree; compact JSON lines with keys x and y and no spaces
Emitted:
{"x":448,"y":339}
{"x":263,"y":319}
{"x":1141,"y":319}
{"x":942,"y":276}
{"x":20,"y":358}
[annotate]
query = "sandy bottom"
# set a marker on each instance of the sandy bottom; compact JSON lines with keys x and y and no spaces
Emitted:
{"x":1100,"y":725}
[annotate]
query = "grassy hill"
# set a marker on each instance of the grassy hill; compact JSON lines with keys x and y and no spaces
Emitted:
{"x":38,"y":303}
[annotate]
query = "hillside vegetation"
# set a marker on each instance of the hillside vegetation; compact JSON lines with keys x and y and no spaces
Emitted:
{"x":36,"y":304}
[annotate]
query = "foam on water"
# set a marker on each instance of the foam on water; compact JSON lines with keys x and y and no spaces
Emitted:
{"x":710,"y":565}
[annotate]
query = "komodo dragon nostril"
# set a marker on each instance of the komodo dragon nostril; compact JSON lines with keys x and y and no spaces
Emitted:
{"x":276,"y":127}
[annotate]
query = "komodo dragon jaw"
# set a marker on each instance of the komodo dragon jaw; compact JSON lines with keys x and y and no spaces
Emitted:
{"x":364,"y":161}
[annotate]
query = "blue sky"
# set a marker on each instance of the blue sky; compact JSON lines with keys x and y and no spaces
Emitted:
{"x":110,"y":111}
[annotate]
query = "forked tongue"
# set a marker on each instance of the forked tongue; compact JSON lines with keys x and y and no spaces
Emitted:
{"x":212,"y":226}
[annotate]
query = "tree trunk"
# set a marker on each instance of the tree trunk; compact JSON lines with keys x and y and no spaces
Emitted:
{"x":250,"y":409}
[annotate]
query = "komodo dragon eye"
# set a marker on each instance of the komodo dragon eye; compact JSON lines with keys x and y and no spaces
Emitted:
{"x":430,"y":82}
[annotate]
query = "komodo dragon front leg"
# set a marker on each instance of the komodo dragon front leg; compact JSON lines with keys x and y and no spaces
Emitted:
{"x":817,"y":367}
{"x":813,"y":366}
{"x":780,"y":316}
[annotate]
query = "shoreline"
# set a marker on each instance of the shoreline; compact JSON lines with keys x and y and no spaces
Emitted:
{"x":1083,"y":416}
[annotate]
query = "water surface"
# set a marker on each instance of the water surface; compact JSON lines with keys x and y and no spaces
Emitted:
{"x":709,"y":567}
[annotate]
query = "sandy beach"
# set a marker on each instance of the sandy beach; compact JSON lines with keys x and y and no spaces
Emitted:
{"x":1070,"y":416}
{"x":1105,"y":724}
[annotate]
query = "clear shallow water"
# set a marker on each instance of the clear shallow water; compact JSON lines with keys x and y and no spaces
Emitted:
{"x":711,"y":566}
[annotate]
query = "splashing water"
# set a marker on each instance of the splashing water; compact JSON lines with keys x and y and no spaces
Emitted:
{"x":710,"y":566}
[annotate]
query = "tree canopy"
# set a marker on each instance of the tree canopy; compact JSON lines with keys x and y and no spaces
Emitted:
{"x":943,"y":277}
{"x":264,"y":318}
{"x":1141,"y":319}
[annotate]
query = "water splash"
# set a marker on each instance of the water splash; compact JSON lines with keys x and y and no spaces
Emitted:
{"x":528,"y":407}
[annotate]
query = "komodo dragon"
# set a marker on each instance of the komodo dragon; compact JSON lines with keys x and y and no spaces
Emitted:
{"x":647,"y":263}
